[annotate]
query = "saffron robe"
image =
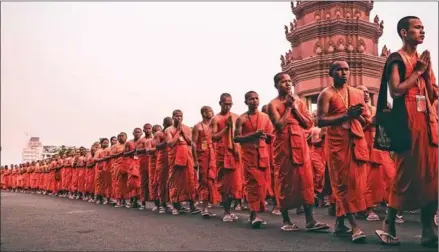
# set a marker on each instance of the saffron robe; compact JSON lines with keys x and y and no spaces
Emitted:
{"x":416,"y":179}
{"x":181,"y":170}
{"x":292,"y":163}
{"x":256,"y":161}
{"x":347,"y":157}
{"x":207,"y":190}
{"x":228,"y":163}
{"x":160,"y":185}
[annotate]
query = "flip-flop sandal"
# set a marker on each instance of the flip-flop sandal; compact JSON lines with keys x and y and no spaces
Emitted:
{"x":256,"y":223}
{"x":359,"y":237}
{"x":318,"y":226}
{"x":387,"y":239}
{"x":436,"y":220}
{"x":373,"y":217}
{"x":289,"y":227}
{"x":342,"y":232}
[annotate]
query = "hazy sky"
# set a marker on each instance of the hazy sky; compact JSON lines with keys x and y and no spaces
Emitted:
{"x":74,"y":72}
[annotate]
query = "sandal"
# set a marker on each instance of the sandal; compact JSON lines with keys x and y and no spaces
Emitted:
{"x":359,"y":237}
{"x":373,"y":217}
{"x":318,"y":226}
{"x":387,"y":239}
{"x":289,"y":227}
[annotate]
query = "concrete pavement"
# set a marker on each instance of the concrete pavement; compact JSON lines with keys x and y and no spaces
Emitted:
{"x":44,"y":223}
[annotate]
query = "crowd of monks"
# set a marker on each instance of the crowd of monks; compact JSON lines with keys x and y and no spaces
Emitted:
{"x":282,"y":153}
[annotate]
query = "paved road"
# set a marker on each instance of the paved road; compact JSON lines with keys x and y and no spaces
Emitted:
{"x":38,"y":222}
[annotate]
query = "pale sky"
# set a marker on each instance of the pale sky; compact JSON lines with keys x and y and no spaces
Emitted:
{"x":74,"y":72}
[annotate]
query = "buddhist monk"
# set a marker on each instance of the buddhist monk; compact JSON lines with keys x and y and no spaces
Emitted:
{"x":150,"y":148}
{"x":80,"y":166}
{"x":133,"y":168}
{"x":374,"y":182}
{"x":74,"y":186}
{"x":204,"y":161}
{"x":160,"y":150}
{"x":342,"y":109}
{"x":120,"y":169}
{"x":228,"y":163}
{"x":254,"y":131}
{"x":144,"y":164}
{"x":412,"y":85}
{"x":270,"y":179}
{"x":181,"y":165}
{"x":109,"y":192}
{"x":90,"y":180}
{"x":292,"y":164}
{"x":100,"y":159}
{"x":318,"y":160}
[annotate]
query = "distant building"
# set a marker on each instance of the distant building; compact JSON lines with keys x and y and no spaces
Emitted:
{"x":35,"y":150}
{"x":32,"y":151}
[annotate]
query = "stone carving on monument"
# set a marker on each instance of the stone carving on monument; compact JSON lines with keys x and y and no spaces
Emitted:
{"x":361,"y":46}
{"x":282,"y":61}
{"x":286,"y":29}
{"x":337,"y":12}
{"x":292,"y":6}
{"x":317,"y":16}
{"x":328,"y":15}
{"x":376,"y":20}
{"x":382,"y":24}
{"x":385,"y":52}
{"x":347,"y":13}
{"x":357,"y":14}
{"x":340,"y":45}
{"x":349,"y":46}
{"x":318,"y":48}
{"x":330,"y":47}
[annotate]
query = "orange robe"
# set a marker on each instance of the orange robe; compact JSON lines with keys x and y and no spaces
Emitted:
{"x":375,"y":192}
{"x":416,"y":180}
{"x":229,"y":177}
{"x":108,"y":167}
{"x":160,"y":185}
{"x":256,"y":161}
{"x":133,"y":164}
{"x":207,"y":167}
{"x":100,"y":178}
{"x":74,"y":184}
{"x":347,"y":157}
{"x":293,"y":169}
{"x":181,"y":171}
{"x":144,"y":164}
{"x":121,"y":175}
{"x":318,"y":164}
{"x":152,"y":181}
{"x":387,"y":174}
{"x":90,"y":175}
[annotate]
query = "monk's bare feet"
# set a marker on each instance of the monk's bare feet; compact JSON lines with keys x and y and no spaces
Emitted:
{"x":276,"y":211}
{"x":388,"y":236}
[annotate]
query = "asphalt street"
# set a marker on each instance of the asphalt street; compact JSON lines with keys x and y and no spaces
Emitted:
{"x":44,"y":223}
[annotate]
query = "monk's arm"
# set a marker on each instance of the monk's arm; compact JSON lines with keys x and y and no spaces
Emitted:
{"x":398,"y":88}
{"x":194,"y":143}
{"x":239,"y":138}
{"x":303,"y":116}
{"x":172,"y":141}
{"x":216,"y":136}
{"x":323,"y":119}
{"x":278,"y":121}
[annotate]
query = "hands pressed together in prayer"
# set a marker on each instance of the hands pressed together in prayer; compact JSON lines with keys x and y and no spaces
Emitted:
{"x":423,"y":64}
{"x":355,"y":111}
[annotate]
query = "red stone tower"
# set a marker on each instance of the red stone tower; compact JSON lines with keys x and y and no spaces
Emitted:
{"x":324,"y":31}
